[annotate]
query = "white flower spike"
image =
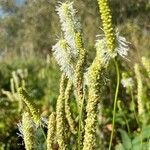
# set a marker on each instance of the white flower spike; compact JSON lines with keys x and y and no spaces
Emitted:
{"x":122,"y":47}
{"x":62,"y":54}
{"x":69,"y":23}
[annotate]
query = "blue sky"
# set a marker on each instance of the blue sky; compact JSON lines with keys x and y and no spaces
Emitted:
{"x":18,"y":2}
{"x":1,"y":12}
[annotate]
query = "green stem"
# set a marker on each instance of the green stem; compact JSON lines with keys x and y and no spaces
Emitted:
{"x":43,"y":132}
{"x":127,"y":124}
{"x":136,"y":118}
{"x":115,"y":103}
{"x":132,"y":99}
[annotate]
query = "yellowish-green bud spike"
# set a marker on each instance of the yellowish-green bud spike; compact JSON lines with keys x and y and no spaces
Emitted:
{"x":140,"y":100}
{"x":60,"y":116}
{"x":107,"y":25}
{"x":9,"y":95}
{"x":16,"y":80}
{"x":23,"y":83}
{"x":12,"y":86}
{"x":93,"y":99}
{"x":79,"y":72}
{"x":70,"y":120}
{"x":28,"y":132}
{"x":95,"y":77}
{"x":79,"y":86}
{"x":29,"y":102}
{"x":146,"y":64}
{"x":51,"y":131}
{"x":78,"y":40}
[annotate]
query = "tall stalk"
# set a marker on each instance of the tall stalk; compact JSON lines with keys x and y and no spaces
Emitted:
{"x":115,"y":103}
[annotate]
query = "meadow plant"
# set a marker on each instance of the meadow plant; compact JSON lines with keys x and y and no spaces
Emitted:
{"x":146,"y":64}
{"x":51,"y":131}
{"x":82,"y":82}
{"x":68,"y":113}
{"x":107,"y":25}
{"x":27,"y":130}
{"x":60,"y":115}
{"x":69,"y":24}
{"x":17,"y":80}
{"x":24,"y":97}
{"x":140,"y":93}
{"x":96,"y":75}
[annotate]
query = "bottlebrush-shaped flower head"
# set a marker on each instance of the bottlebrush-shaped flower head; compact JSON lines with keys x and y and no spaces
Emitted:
{"x":126,"y":81}
{"x":63,"y":56}
{"x":107,"y":24}
{"x":115,"y":43}
{"x":121,"y":46}
{"x":146,"y":64}
{"x":140,"y":90}
{"x":27,"y":131}
{"x":29,"y":103}
{"x":69,"y":24}
{"x":51,"y":131}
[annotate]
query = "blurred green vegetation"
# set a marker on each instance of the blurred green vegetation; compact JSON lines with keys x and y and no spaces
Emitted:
{"x":27,"y":32}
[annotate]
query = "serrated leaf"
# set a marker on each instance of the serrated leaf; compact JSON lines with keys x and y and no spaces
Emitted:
{"x":138,"y":143}
{"x":127,"y":144}
{"x":145,"y":132}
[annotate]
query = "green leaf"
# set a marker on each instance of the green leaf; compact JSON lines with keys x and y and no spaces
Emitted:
{"x":138,"y":141}
{"x":146,"y":132}
{"x":127,"y":144}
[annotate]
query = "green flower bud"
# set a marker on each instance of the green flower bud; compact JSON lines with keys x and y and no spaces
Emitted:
{"x":95,"y":75}
{"x":60,"y":116}
{"x":51,"y":131}
{"x":69,"y":118}
{"x":140,"y":100}
{"x":28,"y":101}
{"x":107,"y":25}
{"x":146,"y":64}
{"x":28,"y":132}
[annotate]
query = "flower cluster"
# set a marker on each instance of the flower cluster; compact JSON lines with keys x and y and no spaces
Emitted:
{"x":70,"y":24}
{"x":146,"y":64}
{"x":27,"y":100}
{"x":95,"y":75}
{"x":60,"y":115}
{"x":115,"y":43}
{"x":121,"y":48}
{"x":127,"y":82}
{"x":69,"y":118}
{"x":51,"y":131}
{"x":107,"y":25}
{"x":63,"y":56}
{"x":140,"y":101}
{"x":27,"y":131}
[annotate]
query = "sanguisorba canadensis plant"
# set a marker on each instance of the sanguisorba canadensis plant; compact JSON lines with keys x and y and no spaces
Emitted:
{"x":60,"y":115}
{"x":71,"y":55}
{"x":29,"y":103}
{"x":51,"y":131}
{"x":140,"y":94}
{"x":27,"y":131}
{"x":87,"y":83}
{"x":95,"y":84}
{"x":146,"y":64}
